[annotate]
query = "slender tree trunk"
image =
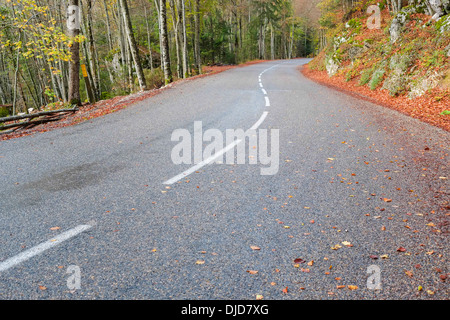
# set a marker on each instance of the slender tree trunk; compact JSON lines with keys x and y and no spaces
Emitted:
{"x":272,"y":43}
{"x":133,"y":46}
{"x":178,"y":36}
{"x":165,"y":42}
{"x":158,"y":9}
{"x":108,"y":26}
{"x":93,"y":61}
{"x":74,"y":64}
{"x":149,"y":40}
{"x":197,"y":56}
{"x":184,"y":50}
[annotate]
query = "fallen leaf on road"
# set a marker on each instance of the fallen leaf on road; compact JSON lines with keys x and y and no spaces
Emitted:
{"x":336,"y":247}
{"x":346,"y":243}
{"x":352,"y":287}
{"x":340,"y":287}
{"x":252,"y":271}
{"x":259,"y":297}
{"x":401,"y":249}
{"x":299,"y":260}
{"x":285,"y":290}
{"x":255,"y":248}
{"x":42,"y":287}
{"x":55,"y":228}
{"x":200,"y":262}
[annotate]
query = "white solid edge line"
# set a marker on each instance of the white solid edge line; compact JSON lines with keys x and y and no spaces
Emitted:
{"x":28,"y":254}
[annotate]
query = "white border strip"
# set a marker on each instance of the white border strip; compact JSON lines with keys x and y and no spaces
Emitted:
{"x":28,"y":254}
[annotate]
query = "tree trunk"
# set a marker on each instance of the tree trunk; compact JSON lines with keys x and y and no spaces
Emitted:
{"x":197,"y":56}
{"x":133,"y":46}
{"x":149,"y":40}
{"x":165,"y":42}
{"x":74,"y":64}
{"x":176,"y":19}
{"x":184,"y":43}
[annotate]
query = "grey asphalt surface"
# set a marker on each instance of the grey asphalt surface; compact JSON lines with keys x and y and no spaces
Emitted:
{"x":339,"y":157}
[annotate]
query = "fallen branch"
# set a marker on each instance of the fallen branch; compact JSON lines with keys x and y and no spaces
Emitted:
{"x":49,"y":116}
{"x":37,"y":114}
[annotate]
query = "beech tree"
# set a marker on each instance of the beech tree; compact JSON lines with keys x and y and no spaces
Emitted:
{"x":73,"y":26}
{"x":132,"y":44}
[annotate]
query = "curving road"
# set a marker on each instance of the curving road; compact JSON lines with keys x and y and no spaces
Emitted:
{"x":357,"y":187}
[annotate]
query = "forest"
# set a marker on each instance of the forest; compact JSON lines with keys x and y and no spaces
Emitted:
{"x":60,"y":54}
{"x":125,"y":46}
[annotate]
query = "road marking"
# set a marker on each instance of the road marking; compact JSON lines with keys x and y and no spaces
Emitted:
{"x":203,"y":163}
{"x":260,"y":121}
{"x":264,"y":91}
{"x":227,"y":148}
{"x":28,"y":254}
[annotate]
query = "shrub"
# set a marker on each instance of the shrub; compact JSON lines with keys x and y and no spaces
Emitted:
{"x":366,"y":75}
{"x":154,"y":78}
{"x":377,"y":78}
{"x":4,"y":112}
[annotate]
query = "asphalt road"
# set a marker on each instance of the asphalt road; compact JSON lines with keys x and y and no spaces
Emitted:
{"x":340,"y":160}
